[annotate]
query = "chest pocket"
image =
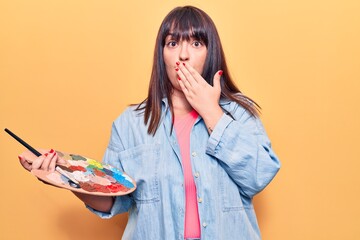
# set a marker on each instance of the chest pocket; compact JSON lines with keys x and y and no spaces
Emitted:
{"x":231,"y":198}
{"x":142,"y":164}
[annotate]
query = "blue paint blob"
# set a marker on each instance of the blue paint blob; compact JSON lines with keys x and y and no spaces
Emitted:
{"x":122,"y":180}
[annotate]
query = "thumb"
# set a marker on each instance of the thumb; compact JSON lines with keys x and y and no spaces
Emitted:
{"x":217,"y":78}
{"x":61,"y":161}
{"x":25,"y":163}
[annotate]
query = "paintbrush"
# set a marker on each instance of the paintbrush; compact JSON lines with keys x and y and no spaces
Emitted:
{"x":72,"y":181}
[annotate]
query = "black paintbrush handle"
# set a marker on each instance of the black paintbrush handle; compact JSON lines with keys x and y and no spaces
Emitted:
{"x":25,"y":144}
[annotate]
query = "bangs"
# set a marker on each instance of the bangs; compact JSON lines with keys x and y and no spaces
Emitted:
{"x":184,"y":25}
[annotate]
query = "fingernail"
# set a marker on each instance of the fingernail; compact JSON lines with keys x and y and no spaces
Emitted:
{"x":20,"y":158}
{"x":178,"y":63}
{"x":179,"y":78}
{"x":46,"y":154}
{"x":52,"y":150}
{"x":183,"y":63}
{"x":221,"y":72}
{"x":176,"y":69}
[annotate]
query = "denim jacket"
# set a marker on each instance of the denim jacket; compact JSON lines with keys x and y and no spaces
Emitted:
{"x":230,"y":166}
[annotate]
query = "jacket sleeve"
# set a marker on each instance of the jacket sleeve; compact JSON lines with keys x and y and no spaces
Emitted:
{"x":111,"y":157}
{"x":243,"y":149}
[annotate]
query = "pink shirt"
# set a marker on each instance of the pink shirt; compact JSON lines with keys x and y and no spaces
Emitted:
{"x":183,"y":127}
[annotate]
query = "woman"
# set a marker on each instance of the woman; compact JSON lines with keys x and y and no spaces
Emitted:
{"x":195,"y":145}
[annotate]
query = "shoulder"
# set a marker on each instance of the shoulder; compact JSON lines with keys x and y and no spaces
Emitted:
{"x":242,"y":115}
{"x":131,"y":115}
{"x":234,"y":109}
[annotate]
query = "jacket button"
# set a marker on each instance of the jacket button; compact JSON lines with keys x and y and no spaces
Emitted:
{"x":204,"y":224}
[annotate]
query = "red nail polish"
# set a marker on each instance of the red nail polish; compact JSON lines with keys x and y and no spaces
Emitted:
{"x":176,"y":69}
{"x":20,"y":158}
{"x":46,"y":154}
{"x":178,"y":63}
{"x":179,"y":78}
{"x":184,"y":64}
{"x":220,"y":72}
{"x":52,"y":150}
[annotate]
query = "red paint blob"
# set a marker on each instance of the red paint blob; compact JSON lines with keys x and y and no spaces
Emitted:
{"x":99,"y":173}
{"x":116,"y":187}
{"x":94,"y":187}
{"x":77,"y":168}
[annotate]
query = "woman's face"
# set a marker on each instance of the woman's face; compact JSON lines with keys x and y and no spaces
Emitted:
{"x":191,"y":52}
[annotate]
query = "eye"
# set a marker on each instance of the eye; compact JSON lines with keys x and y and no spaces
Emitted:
{"x":171,"y":44}
{"x":197,"y":44}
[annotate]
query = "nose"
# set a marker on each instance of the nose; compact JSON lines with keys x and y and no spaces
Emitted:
{"x":184,"y":51}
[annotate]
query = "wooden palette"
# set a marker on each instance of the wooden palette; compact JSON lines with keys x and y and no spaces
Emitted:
{"x":85,"y":175}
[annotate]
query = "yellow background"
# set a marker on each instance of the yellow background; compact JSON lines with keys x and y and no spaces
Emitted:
{"x":68,"y":68}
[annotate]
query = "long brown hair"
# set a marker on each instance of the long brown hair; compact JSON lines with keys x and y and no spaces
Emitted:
{"x":185,"y":23}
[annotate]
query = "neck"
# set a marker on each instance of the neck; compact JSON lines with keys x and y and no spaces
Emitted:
{"x":180,"y":105}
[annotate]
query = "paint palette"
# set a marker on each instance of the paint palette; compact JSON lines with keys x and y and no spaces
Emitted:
{"x":85,"y":175}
